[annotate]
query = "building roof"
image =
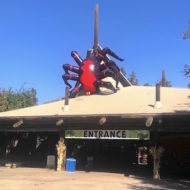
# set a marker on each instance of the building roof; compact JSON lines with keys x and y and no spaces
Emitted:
{"x":134,"y":100}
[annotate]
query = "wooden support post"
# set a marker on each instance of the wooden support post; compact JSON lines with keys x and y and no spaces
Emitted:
{"x":67,"y":95}
{"x":158,"y":103}
{"x":96,"y":28}
{"x":156,"y":151}
{"x":66,"y":106}
{"x":157,"y":92}
{"x":163,"y":78}
{"x":61,"y":152}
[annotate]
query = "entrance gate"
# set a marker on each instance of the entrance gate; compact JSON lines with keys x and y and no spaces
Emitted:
{"x":105,"y":150}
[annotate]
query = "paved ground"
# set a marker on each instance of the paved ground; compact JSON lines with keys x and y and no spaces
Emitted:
{"x":45,"y":179}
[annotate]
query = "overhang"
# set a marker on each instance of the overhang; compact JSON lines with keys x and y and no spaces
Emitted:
{"x":129,"y":108}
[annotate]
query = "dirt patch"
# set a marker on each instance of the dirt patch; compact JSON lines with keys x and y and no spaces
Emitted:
{"x":45,"y":179}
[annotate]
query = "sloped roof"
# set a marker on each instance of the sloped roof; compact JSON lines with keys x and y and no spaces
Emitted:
{"x":128,"y":100}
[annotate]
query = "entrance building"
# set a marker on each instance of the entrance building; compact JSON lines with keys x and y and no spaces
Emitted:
{"x":124,"y":128}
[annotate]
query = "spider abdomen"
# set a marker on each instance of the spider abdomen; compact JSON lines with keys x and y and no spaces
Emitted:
{"x":88,"y":75}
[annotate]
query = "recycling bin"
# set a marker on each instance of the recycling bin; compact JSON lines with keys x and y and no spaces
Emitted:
{"x":70,"y":165}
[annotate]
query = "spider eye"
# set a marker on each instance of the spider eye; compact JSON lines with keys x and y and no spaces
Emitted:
{"x":91,"y":67}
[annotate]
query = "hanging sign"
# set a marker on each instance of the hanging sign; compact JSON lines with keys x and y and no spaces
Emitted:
{"x":109,"y":134}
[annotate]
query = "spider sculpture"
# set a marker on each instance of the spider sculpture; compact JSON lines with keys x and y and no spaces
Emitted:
{"x":91,"y":71}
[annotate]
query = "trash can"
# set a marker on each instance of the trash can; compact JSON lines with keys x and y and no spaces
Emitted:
{"x":70,"y":164}
{"x":50,"y":161}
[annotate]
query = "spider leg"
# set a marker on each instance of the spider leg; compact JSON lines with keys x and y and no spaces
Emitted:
{"x":110,"y":52}
{"x":111,"y":65}
{"x":75,"y":90}
{"x":109,"y":73}
{"x":68,"y":67}
{"x":68,"y":76}
{"x":77,"y":57}
{"x":106,"y":85}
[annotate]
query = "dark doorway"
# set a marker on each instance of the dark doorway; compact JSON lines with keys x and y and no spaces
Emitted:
{"x":106,"y":155}
{"x":27,"y":149}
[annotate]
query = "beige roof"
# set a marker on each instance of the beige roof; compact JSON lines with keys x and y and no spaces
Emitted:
{"x":128,"y":100}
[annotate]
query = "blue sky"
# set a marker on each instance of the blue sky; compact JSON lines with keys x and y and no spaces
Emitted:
{"x":37,"y":36}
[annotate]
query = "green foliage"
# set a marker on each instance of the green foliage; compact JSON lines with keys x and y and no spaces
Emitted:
{"x":123,"y":71}
{"x":186,"y":72}
{"x":166,"y":83}
{"x":133,"y":79}
{"x":147,"y":84}
{"x":186,"y":34}
{"x":10,"y":100}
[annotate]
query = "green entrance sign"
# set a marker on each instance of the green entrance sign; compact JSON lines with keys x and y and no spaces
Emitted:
{"x":108,"y":134}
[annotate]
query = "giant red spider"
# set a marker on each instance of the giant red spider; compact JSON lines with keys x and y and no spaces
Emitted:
{"x":90,"y":72}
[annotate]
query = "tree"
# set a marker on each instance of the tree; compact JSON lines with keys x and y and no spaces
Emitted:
{"x":186,"y":34}
{"x":187,"y":72}
{"x":186,"y":69}
{"x":168,"y":83}
{"x":10,"y":100}
{"x":123,"y":71}
{"x":147,"y":84}
{"x":133,"y":79}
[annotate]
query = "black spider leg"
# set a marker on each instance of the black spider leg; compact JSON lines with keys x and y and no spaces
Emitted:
{"x":74,"y":69}
{"x":77,"y":57}
{"x":105,"y":71}
{"x":68,"y":67}
{"x":75,"y":90}
{"x":111,"y":65}
{"x":68,"y":76}
{"x":79,"y":61}
{"x":110,"y":52}
{"x":75,"y":77}
{"x":106,"y":85}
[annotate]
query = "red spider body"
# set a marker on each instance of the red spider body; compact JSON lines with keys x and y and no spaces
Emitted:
{"x":88,"y":76}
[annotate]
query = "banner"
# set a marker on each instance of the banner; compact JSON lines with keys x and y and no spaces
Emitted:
{"x":108,"y":134}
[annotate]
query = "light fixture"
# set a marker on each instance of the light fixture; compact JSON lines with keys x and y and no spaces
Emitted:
{"x":17,"y":124}
{"x":149,"y":121}
{"x":59,"y":122}
{"x":102,"y":120}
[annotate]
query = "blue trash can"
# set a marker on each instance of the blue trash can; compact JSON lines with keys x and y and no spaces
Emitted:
{"x":70,"y":164}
